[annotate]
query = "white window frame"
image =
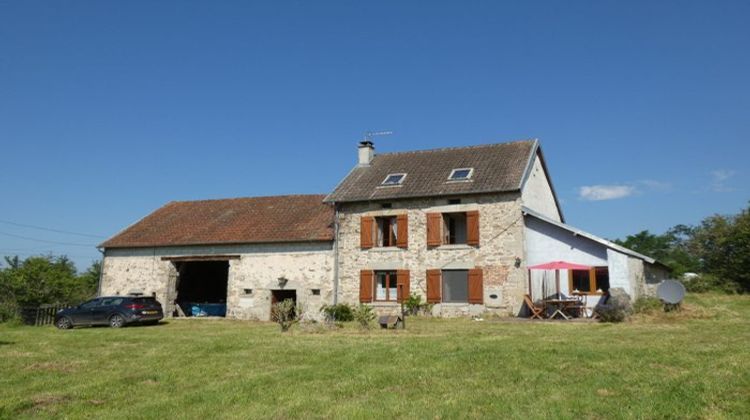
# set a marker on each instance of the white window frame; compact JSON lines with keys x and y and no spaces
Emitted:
{"x":401,"y":181}
{"x":468,"y":177}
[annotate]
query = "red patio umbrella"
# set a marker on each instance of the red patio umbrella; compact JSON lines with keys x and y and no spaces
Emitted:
{"x":557,"y":266}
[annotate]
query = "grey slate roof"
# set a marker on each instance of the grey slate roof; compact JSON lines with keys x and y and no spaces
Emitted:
{"x":497,"y":167}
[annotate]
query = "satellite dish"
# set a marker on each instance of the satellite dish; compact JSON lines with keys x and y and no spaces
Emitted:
{"x":671,"y":291}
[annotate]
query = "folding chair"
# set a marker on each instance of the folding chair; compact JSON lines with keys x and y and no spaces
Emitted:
{"x":581,"y":306}
{"x":536,"y":311}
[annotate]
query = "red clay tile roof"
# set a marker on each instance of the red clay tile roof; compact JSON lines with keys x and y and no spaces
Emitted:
{"x":289,"y":218}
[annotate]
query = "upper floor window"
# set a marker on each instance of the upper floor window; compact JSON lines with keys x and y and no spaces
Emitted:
{"x":387,"y":232}
{"x":453,"y":228}
{"x":394,"y":179}
{"x":384,"y":231}
{"x":461,"y":174}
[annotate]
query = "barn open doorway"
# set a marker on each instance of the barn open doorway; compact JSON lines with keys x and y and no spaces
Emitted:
{"x":202,"y":287}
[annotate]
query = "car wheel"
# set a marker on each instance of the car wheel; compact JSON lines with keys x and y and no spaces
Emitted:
{"x":116,"y":321}
{"x":64,"y":323}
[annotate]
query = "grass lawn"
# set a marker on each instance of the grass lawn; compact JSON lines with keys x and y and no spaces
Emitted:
{"x":693,"y":364}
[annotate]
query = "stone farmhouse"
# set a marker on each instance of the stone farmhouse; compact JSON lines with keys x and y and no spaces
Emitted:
{"x":457,"y":226}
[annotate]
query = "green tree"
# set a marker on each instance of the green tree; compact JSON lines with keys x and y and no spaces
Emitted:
{"x":670,"y":248}
{"x":44,"y":280}
{"x":39,"y":280}
{"x":89,"y":279}
{"x":722,"y":244}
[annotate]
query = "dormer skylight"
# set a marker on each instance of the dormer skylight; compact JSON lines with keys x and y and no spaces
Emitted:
{"x":461,"y":174}
{"x":394,"y":179}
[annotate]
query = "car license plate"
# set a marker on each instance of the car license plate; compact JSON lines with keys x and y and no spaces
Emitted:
{"x":149,"y":312}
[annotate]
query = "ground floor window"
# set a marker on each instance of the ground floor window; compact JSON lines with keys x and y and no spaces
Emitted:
{"x":386,"y":286}
{"x":595,"y":280}
{"x":456,"y":286}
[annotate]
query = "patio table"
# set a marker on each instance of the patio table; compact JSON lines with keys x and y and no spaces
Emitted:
{"x":561,"y":305}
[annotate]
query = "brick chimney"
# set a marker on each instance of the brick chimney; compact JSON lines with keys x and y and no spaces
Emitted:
{"x":366,"y":152}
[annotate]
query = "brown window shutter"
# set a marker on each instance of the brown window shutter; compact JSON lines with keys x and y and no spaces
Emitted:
{"x":434,"y":228}
{"x":402,"y":241}
{"x":403,"y":285}
{"x":433,"y":286}
{"x":472,"y":228}
{"x":366,"y":232}
{"x":476,"y":286}
{"x":366,"y":281}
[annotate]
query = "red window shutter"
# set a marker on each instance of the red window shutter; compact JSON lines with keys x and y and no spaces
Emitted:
{"x":367,"y":232}
{"x":472,"y":228}
{"x":476,"y":286}
{"x":433,"y":286}
{"x":402,"y":241}
{"x":434,"y":228}
{"x":403,"y":285}
{"x":366,"y":281}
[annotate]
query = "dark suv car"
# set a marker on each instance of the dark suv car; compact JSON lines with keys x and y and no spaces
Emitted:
{"x":115,"y":311}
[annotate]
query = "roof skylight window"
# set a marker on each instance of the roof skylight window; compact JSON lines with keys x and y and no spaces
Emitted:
{"x":394,"y":179}
{"x":461,"y":174}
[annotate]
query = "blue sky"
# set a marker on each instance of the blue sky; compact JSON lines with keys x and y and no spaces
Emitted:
{"x":110,"y":109}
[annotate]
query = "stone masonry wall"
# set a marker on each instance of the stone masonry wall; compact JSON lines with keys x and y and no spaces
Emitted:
{"x":307,"y":266}
{"x":501,"y":242}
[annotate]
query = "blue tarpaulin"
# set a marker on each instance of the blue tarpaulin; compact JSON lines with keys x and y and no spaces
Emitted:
{"x":208,"y":309}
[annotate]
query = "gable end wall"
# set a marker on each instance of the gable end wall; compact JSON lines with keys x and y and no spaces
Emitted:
{"x":537,"y":193}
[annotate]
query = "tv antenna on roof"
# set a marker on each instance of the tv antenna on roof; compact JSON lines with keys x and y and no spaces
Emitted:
{"x":370,"y":134}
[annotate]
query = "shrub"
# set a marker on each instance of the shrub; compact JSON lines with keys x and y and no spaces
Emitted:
{"x":710,"y":283}
{"x":364,"y":315}
{"x":286,"y":313}
{"x":647,"y":305}
{"x":618,"y":307}
{"x":414,"y":305}
{"x":340,"y":312}
{"x":8,"y":310}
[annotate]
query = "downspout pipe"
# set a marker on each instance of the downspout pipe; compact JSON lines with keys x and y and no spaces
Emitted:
{"x":335,"y":254}
{"x":101,"y":272}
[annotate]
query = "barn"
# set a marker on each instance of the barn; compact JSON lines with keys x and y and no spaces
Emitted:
{"x":231,"y":257}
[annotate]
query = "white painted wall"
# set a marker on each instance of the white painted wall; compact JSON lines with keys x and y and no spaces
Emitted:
{"x":545,"y":242}
{"x":537,"y":192}
{"x":619,"y":272}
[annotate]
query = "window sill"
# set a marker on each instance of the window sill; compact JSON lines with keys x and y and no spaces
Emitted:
{"x":385,"y":249}
{"x":455,"y":246}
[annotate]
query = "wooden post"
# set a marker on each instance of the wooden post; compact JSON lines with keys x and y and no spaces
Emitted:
{"x":557,"y":282}
{"x":403,"y":316}
{"x":530,"y":290}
